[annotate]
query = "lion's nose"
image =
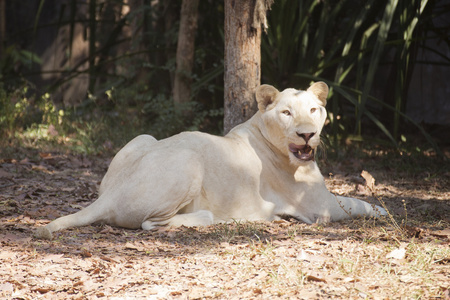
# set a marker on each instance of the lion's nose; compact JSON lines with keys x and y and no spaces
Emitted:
{"x":306,"y":136}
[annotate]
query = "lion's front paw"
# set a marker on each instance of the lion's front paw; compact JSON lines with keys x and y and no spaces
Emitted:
{"x":380,"y":211}
{"x":43,"y":233}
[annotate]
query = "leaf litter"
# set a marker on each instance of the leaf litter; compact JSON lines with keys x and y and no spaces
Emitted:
{"x":353,"y":259}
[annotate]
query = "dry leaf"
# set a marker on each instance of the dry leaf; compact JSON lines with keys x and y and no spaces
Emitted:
{"x":5,"y":174}
{"x":6,"y":287}
{"x":53,"y":258}
{"x":370,"y":181}
{"x":85,"y":253}
{"x":362,"y":295}
{"x":414,"y":231}
{"x":406,"y":278}
{"x":106,"y":229}
{"x":45,"y":155}
{"x":78,"y":283}
{"x":350,"y":279}
{"x":314,"y":278}
{"x":303,"y":256}
{"x":441,"y":233}
{"x":206,"y":262}
{"x":76,"y":206}
{"x":397,"y":254}
{"x":131,"y":246}
{"x":41,"y":290}
{"x":109,"y":259}
{"x":446,"y":293}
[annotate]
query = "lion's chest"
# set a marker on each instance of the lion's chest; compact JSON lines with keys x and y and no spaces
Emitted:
{"x":291,"y":191}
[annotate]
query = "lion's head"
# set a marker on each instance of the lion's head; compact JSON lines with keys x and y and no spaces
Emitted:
{"x":293,"y":119}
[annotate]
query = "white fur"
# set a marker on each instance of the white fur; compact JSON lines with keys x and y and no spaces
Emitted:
{"x":196,"y":179}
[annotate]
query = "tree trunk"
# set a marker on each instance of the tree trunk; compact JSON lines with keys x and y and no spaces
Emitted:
{"x":185,"y":51}
{"x":2,"y":27}
{"x":92,"y":47}
{"x":243,"y":21}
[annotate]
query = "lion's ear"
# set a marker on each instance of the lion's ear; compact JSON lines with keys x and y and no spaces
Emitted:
{"x":265,"y":95}
{"x":320,"y":90}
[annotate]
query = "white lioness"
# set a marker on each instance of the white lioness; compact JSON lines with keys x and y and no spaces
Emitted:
{"x":263,"y":169}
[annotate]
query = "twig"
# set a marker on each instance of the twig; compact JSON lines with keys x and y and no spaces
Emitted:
{"x":6,"y":185}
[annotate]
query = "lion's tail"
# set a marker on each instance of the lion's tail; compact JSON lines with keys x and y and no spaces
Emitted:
{"x":91,"y":214}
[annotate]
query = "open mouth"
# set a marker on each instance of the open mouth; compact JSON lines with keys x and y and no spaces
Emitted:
{"x":302,"y":152}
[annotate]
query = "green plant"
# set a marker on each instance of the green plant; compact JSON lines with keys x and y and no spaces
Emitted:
{"x":344,"y":43}
{"x":13,"y":108}
{"x":130,"y":51}
{"x":20,"y":111}
{"x":11,"y":61}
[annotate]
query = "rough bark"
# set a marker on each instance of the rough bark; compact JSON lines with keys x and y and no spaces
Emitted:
{"x":2,"y":27}
{"x":185,"y":51}
{"x":92,"y":47}
{"x":243,"y":21}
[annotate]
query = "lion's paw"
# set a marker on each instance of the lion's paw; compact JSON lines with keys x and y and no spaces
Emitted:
{"x":380,"y":211}
{"x":43,"y":233}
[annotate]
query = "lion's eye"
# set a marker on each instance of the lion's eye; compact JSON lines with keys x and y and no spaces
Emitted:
{"x":313,"y":110}
{"x":286,"y":112}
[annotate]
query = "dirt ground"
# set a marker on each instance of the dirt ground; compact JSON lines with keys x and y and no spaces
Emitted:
{"x":406,"y":256}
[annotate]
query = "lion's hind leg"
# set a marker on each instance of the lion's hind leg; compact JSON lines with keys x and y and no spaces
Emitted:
{"x":198,"y":218}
